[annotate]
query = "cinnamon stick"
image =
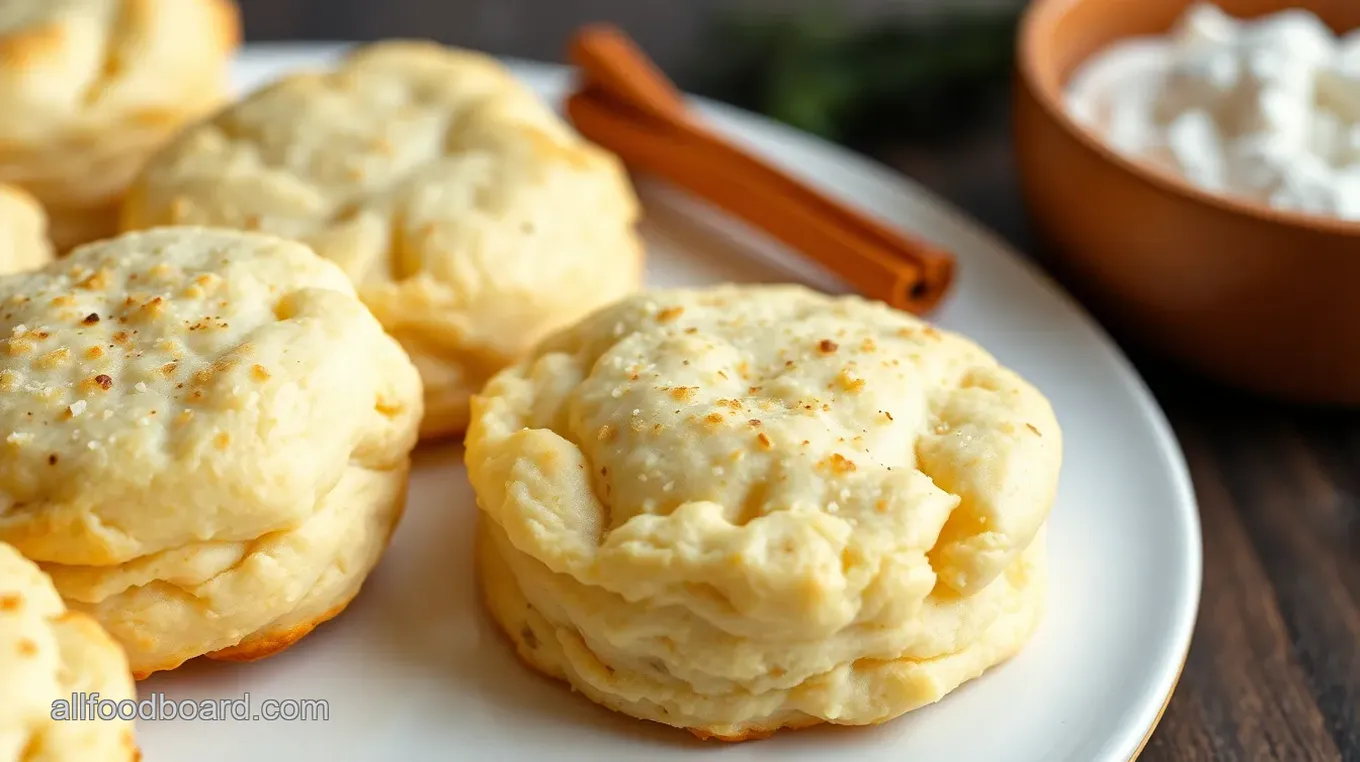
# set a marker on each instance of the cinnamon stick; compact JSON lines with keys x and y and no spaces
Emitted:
{"x":629,"y":107}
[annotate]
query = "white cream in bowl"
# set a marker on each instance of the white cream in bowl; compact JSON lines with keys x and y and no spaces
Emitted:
{"x":1266,"y":109}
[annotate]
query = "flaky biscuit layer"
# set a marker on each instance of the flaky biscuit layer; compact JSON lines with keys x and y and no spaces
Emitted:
{"x":48,"y":654}
{"x":737,"y":490}
{"x":239,"y":601}
{"x":473,"y":220}
{"x":204,"y":425}
{"x":861,"y":692}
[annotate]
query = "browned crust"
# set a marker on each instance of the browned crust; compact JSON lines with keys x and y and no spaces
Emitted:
{"x":140,"y":675}
{"x":277,"y":642}
{"x":256,"y":650}
{"x":754,"y":734}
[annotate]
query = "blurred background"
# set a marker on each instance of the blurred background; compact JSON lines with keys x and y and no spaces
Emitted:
{"x":920,"y":84}
{"x":675,"y":32}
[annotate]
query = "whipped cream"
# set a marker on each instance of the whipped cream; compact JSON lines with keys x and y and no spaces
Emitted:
{"x":1266,"y":110}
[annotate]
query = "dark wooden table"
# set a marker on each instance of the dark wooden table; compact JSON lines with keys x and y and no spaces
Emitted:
{"x":1274,"y":672}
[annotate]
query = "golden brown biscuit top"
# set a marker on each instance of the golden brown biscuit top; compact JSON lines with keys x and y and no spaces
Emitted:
{"x":73,"y":66}
{"x":794,"y":455}
{"x":185,"y":385}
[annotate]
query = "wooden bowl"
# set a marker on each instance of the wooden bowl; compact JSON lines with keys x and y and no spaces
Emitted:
{"x":1258,"y":298}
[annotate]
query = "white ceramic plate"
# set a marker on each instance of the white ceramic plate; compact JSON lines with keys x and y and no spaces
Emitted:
{"x":413,"y":671}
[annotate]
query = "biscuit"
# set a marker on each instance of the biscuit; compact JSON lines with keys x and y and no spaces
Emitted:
{"x":49,"y":655}
{"x":745,"y":508}
{"x":471,"y":218}
{"x":209,"y":438}
{"x":23,"y":232}
{"x":1005,"y":615}
{"x":90,"y":88}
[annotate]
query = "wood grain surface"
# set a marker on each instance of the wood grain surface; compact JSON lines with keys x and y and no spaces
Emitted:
{"x":1274,"y":671}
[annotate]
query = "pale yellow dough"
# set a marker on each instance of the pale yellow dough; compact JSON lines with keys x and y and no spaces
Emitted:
{"x":90,"y":88}
{"x":207,"y":438}
{"x":48,"y":654}
{"x":472,"y":219}
{"x":745,"y":508}
{"x":23,"y":232}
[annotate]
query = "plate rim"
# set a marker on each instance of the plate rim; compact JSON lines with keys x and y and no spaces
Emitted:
{"x":1186,"y":611}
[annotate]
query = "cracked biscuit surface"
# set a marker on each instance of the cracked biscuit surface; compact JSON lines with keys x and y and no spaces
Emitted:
{"x":207,"y":438}
{"x":746,"y":508}
{"x":23,"y":232}
{"x":89,"y":88}
{"x":471,"y":218}
{"x":47,"y":654}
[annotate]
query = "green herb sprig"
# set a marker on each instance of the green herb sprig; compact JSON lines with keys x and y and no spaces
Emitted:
{"x":896,"y":79}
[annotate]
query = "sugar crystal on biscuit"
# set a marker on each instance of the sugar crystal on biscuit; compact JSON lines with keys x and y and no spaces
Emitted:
{"x":119,"y":449}
{"x":784,"y":573}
